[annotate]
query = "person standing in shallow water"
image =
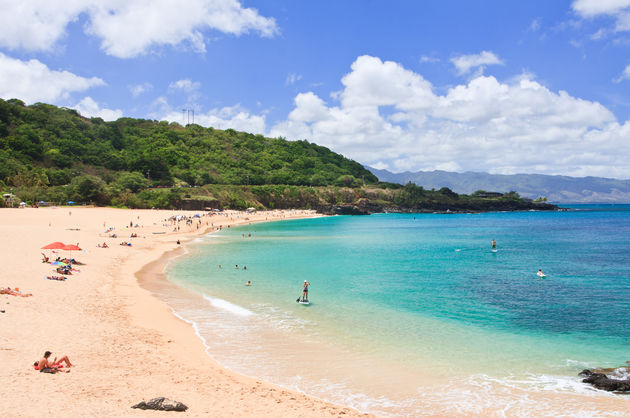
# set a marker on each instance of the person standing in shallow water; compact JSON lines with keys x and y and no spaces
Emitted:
{"x":494,"y":245}
{"x":305,"y":291}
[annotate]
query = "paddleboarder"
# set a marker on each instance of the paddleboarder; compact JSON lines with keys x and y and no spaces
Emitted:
{"x":305,"y":286}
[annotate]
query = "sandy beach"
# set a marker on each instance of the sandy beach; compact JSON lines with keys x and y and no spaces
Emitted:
{"x":126,"y":345}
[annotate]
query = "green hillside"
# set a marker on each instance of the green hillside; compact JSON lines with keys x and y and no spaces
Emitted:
{"x":53,"y":154}
{"x":60,"y":141}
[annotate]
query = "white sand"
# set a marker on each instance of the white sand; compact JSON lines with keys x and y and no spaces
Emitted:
{"x":127,"y":345}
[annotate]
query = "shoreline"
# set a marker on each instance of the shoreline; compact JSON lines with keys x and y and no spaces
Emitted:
{"x":160,"y":286}
{"x":506,"y":393}
{"x":127,"y":344}
{"x":160,"y":283}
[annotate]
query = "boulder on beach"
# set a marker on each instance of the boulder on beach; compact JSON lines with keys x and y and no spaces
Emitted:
{"x":616,"y":380}
{"x":161,"y":404}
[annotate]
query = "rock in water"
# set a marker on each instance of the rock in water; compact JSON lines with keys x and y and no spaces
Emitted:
{"x":161,"y":404}
{"x":602,"y":381}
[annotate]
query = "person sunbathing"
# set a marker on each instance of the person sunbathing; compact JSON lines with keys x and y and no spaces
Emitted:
{"x":47,"y":366}
{"x":45,"y":259}
{"x":61,"y":278}
{"x":16,"y":292}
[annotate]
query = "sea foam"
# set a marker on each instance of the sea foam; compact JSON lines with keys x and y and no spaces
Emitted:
{"x":227,"y":306}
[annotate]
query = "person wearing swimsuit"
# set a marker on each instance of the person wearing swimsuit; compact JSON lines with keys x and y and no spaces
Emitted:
{"x":305,"y":291}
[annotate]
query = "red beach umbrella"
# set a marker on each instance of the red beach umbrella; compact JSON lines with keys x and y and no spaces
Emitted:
{"x":70,"y":247}
{"x":54,"y":246}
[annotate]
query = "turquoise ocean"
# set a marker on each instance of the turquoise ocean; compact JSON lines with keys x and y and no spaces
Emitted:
{"x":413,"y":312}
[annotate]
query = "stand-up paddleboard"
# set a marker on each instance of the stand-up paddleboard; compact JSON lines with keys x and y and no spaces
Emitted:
{"x":305,"y":302}
{"x":541,"y":276}
{"x":494,"y":250}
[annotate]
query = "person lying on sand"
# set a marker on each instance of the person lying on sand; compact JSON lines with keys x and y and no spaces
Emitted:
{"x":16,"y":292}
{"x":46,"y":366}
{"x":72,"y":261}
{"x":60,"y":278}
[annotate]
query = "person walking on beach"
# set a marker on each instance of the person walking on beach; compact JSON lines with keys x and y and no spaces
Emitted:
{"x":305,"y":291}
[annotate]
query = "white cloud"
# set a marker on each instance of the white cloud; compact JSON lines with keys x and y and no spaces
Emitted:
{"x":138,"y":89}
{"x":617,"y":9}
{"x":292,"y":78}
{"x":591,"y":8}
{"x":625,"y":75}
{"x":600,"y":34}
{"x":186,"y":85}
{"x":391,"y":117}
{"x":465,"y":63}
{"x":235,"y":117}
{"x":32,"y":81}
{"x":535,"y":25}
{"x":426,"y":58}
{"x":36,"y":24}
{"x":127,"y":28}
{"x":90,"y":108}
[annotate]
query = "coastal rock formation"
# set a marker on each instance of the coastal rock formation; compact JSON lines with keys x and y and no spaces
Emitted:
{"x":611,"y":382}
{"x":342,"y":210}
{"x":161,"y":404}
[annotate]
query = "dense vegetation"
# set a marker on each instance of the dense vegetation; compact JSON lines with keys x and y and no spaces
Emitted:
{"x":53,"y":154}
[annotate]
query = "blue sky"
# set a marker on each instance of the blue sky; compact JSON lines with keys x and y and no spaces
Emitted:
{"x":496,"y":86}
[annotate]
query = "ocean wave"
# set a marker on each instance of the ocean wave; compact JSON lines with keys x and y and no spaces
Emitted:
{"x":538,"y":383}
{"x":621,"y":373}
{"x":280,"y":319}
{"x":228,"y":306}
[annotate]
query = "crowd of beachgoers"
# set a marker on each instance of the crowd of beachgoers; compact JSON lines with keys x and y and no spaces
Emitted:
{"x":63,"y":266}
{"x":104,"y":311}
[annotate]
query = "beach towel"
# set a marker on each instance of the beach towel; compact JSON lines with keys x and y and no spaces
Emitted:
{"x":59,"y":366}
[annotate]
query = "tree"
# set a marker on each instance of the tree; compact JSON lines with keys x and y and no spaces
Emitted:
{"x":448,"y":192}
{"x":345,"y":180}
{"x":131,"y":181}
{"x":88,"y":189}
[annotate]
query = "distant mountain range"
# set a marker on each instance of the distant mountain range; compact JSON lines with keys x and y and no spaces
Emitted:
{"x":557,"y":189}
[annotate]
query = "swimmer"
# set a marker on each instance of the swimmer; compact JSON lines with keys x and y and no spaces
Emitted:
{"x":249,"y":283}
